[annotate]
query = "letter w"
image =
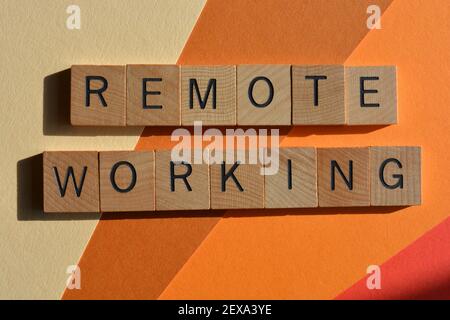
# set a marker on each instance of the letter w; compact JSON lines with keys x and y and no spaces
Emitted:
{"x":70,"y":173}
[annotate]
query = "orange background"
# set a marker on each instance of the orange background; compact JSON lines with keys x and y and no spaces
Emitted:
{"x":295,"y":254}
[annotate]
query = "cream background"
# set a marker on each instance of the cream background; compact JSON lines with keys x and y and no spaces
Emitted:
{"x":35,"y":43}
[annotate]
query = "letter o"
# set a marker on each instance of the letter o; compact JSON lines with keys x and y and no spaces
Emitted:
{"x":112,"y":176}
{"x":250,"y":92}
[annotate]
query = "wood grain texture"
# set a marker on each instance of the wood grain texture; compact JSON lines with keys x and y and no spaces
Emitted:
{"x":114,"y":114}
{"x":301,"y":192}
{"x":140,"y":181}
{"x":369,"y":113}
{"x":161,"y":104}
{"x":401,"y":185}
{"x":181,"y":198}
{"x":74,"y":165}
{"x":249,"y":177}
{"x":270,"y":89}
{"x":329,"y":107}
{"x":120,"y":164}
{"x":225,"y":111}
{"x":343,"y":195}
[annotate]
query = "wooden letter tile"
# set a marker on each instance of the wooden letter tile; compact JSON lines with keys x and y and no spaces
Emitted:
{"x":208,"y":94}
{"x":236,"y":185}
{"x":395,"y":176}
{"x":295,"y":184}
{"x":318,"y":95}
{"x":127,"y":181}
{"x":371,"y":95}
{"x":98,"y":96}
{"x":153,"y":96}
{"x":71,"y":181}
{"x":264,"y":95}
{"x":187,"y":188}
{"x":343,"y":177}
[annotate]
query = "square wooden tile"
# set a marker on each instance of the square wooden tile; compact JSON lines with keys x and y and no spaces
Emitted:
{"x":263,"y":95}
{"x":318,"y":95}
{"x":98,"y":95}
{"x":189,"y":187}
{"x":208,"y":94}
{"x":71,"y":181}
{"x":395,"y":176}
{"x":295,"y":184}
{"x":127,"y":181}
{"x":371,"y":95}
{"x":237,"y":184}
{"x":350,"y":169}
{"x":153,"y":95}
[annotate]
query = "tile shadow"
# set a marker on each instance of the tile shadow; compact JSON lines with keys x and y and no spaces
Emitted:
{"x":30,"y":200}
{"x":304,"y":131}
{"x":247,"y":213}
{"x":56,"y":113}
{"x":30,"y":204}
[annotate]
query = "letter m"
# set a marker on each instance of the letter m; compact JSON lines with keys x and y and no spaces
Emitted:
{"x":202,"y":101}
